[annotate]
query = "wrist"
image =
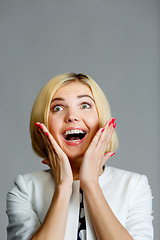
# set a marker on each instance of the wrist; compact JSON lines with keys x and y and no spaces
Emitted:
{"x":64,"y":188}
{"x":89,"y":185}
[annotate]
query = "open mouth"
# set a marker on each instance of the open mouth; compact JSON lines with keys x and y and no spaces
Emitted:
{"x":74,"y":135}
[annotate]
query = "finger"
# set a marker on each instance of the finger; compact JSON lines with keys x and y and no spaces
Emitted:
{"x":51,"y":153}
{"x":48,"y":136}
{"x":108,"y":132}
{"x":45,"y":139}
{"x":52,"y":160}
{"x":106,"y":157}
{"x":57,"y":154}
{"x":102,"y":137}
{"x":109,"y":122}
{"x":105,"y":140}
{"x":96,"y":138}
{"x":47,"y":162}
{"x":58,"y":160}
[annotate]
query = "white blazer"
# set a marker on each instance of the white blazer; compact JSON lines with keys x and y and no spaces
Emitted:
{"x":127,"y":193}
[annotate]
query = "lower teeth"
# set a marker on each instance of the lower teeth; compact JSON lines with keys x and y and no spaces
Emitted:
{"x":73,"y":140}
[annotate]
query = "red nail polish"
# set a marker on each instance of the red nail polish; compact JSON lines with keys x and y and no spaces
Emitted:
{"x":114,"y":125}
{"x":109,"y":124}
{"x":102,"y":130}
{"x":47,"y":134}
{"x":112,"y":154}
{"x":37,"y":124}
{"x":40,"y":125}
{"x":44,"y":162}
{"x":112,"y":121}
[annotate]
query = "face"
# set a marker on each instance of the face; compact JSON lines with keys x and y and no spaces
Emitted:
{"x":73,"y":118}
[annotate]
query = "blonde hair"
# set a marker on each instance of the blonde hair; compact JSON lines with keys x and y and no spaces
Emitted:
{"x":41,"y":107}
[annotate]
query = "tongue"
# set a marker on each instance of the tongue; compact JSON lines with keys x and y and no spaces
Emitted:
{"x":74,"y":138}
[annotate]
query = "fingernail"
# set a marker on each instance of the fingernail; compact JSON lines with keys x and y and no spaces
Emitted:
{"x":44,"y":162}
{"x":47,"y":134}
{"x":112,"y":154}
{"x":40,"y":125}
{"x":37,"y":124}
{"x":102,"y":130}
{"x":112,"y":121}
{"x":114,"y":125}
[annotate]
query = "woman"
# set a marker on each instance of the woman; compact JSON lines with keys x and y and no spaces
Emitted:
{"x":79,"y":197}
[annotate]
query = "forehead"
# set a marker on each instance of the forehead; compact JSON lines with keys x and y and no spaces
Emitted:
{"x":73,"y":88}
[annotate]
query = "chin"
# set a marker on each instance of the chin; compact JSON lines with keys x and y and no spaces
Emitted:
{"x":75,"y":156}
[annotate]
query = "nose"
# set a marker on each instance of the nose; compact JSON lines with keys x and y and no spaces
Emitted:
{"x":72,"y":116}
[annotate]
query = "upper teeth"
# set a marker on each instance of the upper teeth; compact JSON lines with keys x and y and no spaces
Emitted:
{"x":73,"y":131}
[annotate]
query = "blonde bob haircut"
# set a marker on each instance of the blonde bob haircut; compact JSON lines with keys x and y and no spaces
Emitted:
{"x":41,"y":108}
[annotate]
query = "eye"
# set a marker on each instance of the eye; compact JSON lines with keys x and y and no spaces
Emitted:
{"x":57,"y":108}
{"x":85,"y":105}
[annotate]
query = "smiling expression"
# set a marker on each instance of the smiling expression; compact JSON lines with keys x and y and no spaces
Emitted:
{"x":73,"y":118}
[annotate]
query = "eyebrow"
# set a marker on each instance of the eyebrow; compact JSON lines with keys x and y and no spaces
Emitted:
{"x":79,"y":96}
{"x":85,"y":95}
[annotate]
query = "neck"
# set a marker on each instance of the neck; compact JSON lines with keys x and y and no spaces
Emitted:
{"x":75,"y":166}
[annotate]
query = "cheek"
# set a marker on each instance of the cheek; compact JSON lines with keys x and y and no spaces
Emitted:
{"x":53,"y":126}
{"x":93,"y":121}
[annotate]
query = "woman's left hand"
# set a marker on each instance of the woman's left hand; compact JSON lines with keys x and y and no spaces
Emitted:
{"x":96,"y":156}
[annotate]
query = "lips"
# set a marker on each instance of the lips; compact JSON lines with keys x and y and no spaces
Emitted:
{"x":74,"y":136}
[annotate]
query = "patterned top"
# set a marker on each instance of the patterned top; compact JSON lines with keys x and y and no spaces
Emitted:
{"x":82,"y":222}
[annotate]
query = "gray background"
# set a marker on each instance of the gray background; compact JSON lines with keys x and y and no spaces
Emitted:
{"x":115,"y":42}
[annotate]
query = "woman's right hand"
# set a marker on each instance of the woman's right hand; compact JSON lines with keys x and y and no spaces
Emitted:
{"x":57,"y":160}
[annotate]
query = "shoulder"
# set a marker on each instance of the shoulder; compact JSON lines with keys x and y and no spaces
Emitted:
{"x":123,"y":178}
{"x":122,"y":174}
{"x":34,"y":176}
{"x":128,"y":188}
{"x":24,"y":184}
{"x":119,"y":173}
